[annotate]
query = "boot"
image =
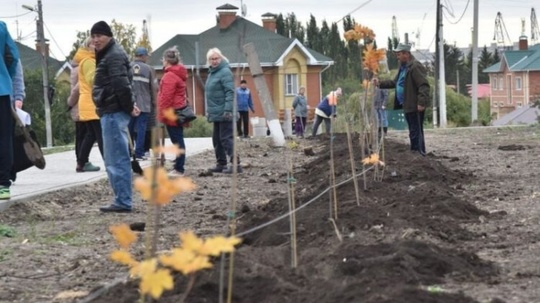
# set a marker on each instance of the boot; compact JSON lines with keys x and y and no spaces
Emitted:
{"x":385,"y":130}
{"x":218,"y":169}
{"x":229,"y":170}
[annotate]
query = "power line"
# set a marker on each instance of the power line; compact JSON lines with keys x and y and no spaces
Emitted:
{"x":54,"y":40}
{"x":462,"y":14}
{"x":16,"y":16}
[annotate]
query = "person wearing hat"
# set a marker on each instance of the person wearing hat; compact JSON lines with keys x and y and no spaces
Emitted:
{"x":325,"y":111}
{"x":412,"y":94}
{"x":114,"y":102}
{"x":144,"y":88}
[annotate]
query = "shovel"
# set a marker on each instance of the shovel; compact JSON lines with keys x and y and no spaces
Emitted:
{"x":135,"y":166}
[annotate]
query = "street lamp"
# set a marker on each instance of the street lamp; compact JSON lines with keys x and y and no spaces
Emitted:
{"x":44,"y":67}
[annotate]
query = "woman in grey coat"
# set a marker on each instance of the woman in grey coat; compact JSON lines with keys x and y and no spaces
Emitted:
{"x":301,"y":112}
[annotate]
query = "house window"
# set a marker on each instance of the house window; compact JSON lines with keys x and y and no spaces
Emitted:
{"x":518,"y":83}
{"x":501,"y":83}
{"x":291,"y":84}
{"x":495,"y":83}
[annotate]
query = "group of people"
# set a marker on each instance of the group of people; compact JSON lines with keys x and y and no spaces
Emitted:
{"x":114,"y":99}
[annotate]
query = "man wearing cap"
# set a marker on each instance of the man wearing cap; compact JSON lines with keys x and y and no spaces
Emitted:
{"x":144,"y":91}
{"x":412,"y":94}
{"x":115,"y":105}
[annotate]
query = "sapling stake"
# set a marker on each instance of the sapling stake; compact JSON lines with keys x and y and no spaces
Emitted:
{"x":332,"y":167}
{"x":353,"y":165}
{"x":292,"y":217}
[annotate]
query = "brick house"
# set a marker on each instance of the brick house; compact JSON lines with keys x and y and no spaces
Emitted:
{"x":286,"y":63}
{"x":515,"y":80}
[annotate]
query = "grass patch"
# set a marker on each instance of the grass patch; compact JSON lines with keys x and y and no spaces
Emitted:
{"x":4,"y":254}
{"x":69,"y":238}
{"x":57,"y":149}
{"x":7,"y":231}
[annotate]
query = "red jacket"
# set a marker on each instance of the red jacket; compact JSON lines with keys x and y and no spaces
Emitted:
{"x":172,"y":91}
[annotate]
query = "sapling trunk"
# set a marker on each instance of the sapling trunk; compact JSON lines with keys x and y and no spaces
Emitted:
{"x":332,"y":167}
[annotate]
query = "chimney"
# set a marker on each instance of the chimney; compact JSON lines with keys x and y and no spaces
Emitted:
{"x":523,"y":43}
{"x":269,"y":22}
{"x":227,"y":15}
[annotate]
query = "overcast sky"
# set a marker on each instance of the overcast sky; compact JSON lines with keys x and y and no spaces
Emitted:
{"x":63,"y":18}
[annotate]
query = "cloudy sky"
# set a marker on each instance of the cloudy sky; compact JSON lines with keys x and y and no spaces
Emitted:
{"x":63,"y":18}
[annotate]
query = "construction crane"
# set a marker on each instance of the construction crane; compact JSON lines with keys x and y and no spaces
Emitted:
{"x":535,"y":31}
{"x":395,"y":33}
{"x":145,"y":37}
{"x":419,"y":32}
{"x":501,"y":34}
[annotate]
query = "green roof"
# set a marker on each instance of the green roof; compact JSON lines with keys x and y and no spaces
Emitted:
{"x":519,"y":60}
{"x":270,"y":46}
{"x":31,"y":59}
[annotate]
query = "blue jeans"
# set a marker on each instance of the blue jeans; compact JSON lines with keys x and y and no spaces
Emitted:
{"x":382,"y":118}
{"x":138,"y":125}
{"x":176,"y":133}
{"x":117,"y":158}
{"x":6,"y":141}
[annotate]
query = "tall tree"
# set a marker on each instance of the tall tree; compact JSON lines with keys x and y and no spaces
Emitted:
{"x":313,"y":37}
{"x":485,"y":61}
{"x":353,"y":51}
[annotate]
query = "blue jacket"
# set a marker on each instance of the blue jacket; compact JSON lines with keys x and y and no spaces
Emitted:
{"x":219,"y":91}
{"x":8,"y":60}
{"x":300,"y":106}
{"x":18,"y":84}
{"x":244,"y":100}
{"x":326,"y":108}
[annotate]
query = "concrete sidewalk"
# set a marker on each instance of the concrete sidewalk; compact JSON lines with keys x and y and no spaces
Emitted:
{"x":60,"y":172}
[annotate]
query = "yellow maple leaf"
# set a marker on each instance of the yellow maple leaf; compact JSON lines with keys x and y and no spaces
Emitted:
{"x":219,"y":244}
{"x":190,"y":241}
{"x":156,"y":282}
{"x":144,"y":268}
{"x":123,"y":235}
{"x":166,"y":189}
{"x":198,"y":263}
{"x":178,"y":259}
{"x":372,"y":159}
{"x":169,"y":114}
{"x":123,"y":257}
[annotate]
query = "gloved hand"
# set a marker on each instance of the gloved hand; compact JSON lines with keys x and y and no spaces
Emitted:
{"x":227,"y":116}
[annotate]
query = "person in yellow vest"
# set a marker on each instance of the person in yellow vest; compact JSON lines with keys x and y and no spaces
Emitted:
{"x":85,"y":57}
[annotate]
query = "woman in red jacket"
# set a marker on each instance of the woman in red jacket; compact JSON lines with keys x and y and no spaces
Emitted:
{"x":172,"y":94}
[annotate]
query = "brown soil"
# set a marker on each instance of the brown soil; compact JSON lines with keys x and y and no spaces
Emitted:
{"x":460,"y":225}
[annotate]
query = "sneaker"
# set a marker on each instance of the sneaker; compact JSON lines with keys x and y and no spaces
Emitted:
{"x":229,"y":170}
{"x":141,"y":158}
{"x":114,"y":209}
{"x":91,"y":167}
{"x":218,"y":168}
{"x":175,"y":174}
{"x":5,"y":193}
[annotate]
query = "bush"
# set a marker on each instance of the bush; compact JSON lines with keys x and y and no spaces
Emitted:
{"x":200,"y":127}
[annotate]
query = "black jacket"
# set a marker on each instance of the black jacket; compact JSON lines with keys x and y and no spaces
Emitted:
{"x":113,"y":81}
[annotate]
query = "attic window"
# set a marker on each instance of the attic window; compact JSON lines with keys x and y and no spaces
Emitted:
{"x":291,"y":84}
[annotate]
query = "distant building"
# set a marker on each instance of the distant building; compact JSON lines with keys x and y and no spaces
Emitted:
{"x":286,"y":63}
{"x":515,"y":80}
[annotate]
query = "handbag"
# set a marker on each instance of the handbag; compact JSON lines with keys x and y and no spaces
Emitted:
{"x":26,"y":149}
{"x":185,"y":114}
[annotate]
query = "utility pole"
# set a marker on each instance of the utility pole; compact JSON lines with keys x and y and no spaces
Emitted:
{"x":436,"y":71}
{"x":442,"y":82}
{"x":44,"y":67}
{"x":474,"y":87}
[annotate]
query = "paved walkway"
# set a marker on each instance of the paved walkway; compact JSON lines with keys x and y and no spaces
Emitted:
{"x":60,"y":172}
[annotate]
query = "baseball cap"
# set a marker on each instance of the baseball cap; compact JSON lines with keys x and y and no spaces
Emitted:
{"x":141,"y":51}
{"x":403,"y":48}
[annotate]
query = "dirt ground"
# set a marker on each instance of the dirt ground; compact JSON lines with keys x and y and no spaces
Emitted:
{"x":460,"y":225}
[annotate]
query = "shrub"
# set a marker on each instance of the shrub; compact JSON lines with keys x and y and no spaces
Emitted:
{"x":200,"y":127}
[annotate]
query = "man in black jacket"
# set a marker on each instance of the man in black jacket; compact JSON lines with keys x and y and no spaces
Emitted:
{"x":114,"y":102}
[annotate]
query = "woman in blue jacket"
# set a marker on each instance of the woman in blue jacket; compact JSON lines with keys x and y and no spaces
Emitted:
{"x":325,"y":110}
{"x":219,"y":92}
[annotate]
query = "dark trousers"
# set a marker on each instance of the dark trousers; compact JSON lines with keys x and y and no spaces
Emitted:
{"x":416,"y":131}
{"x":300,"y":126}
{"x":176,"y":133}
{"x":80,"y":134}
{"x":93,"y":134}
{"x":318,"y":121}
{"x":6,"y":141}
{"x":243,"y":121}
{"x":223,"y":142}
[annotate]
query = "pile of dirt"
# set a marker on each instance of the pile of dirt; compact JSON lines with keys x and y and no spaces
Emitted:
{"x":396,"y":245}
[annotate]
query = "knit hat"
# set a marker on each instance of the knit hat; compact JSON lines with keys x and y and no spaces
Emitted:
{"x":101,"y":28}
